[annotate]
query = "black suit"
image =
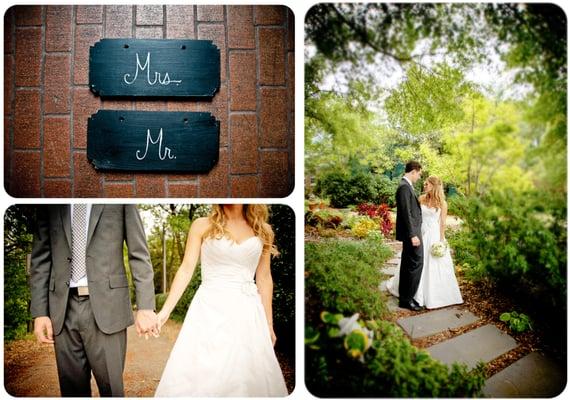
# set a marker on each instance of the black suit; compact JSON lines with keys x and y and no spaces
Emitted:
{"x":408,"y":225}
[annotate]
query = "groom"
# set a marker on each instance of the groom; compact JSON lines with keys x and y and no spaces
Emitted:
{"x":408,"y":231}
{"x":80,"y":291}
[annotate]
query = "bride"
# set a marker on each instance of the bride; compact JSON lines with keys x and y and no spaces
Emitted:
{"x":225,"y":346}
{"x":438,"y":285}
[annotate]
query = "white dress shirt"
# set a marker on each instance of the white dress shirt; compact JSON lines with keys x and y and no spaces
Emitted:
{"x":82,"y":281}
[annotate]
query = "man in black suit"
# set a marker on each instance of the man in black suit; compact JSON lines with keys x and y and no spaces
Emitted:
{"x":408,"y":231}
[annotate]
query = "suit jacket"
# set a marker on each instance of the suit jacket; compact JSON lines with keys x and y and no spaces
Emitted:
{"x":110,"y":226}
{"x":408,"y":213}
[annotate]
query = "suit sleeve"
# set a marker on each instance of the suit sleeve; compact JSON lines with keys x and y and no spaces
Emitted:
{"x":40,"y":267}
{"x":405,"y":197}
{"x":139,"y":259}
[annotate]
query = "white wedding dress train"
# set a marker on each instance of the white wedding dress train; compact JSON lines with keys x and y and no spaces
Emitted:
{"x":224,"y":347}
{"x":438,"y":285}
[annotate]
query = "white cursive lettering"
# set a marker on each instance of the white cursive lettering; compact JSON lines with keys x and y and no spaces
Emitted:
{"x":157,"y":76}
{"x":161,"y":155}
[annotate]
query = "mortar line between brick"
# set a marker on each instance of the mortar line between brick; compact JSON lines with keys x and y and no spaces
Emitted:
{"x":257,"y":101}
{"x":228,"y":133}
{"x":42,"y":95}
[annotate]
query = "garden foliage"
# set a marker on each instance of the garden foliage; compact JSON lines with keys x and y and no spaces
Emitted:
{"x":349,"y":364}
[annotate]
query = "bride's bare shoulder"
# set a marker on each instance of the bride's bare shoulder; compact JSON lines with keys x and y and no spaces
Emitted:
{"x":200,"y":225}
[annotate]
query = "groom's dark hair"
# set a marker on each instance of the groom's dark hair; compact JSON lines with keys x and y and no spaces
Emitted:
{"x":413,"y":165}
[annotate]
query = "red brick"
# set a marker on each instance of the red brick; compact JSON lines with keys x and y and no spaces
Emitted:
{"x":7,"y":150}
{"x":290,"y":30}
{"x":85,"y":37}
{"x":28,"y":15}
{"x":217,"y":34}
{"x":149,"y":15}
{"x":271,"y":56}
{"x":243,"y":94}
{"x":26,"y":174}
{"x":182,"y":190}
{"x":118,"y":21}
{"x":85,"y":103}
{"x":150,"y":105}
{"x":243,"y":128}
{"x":269,"y":15}
{"x":117,"y":104}
{"x":118,"y":176}
{"x":241,"y":32}
{"x":89,"y":14}
{"x":183,"y":177}
{"x":9,"y":25}
{"x":150,"y":185}
{"x":273,"y":117}
{"x":185,"y":105}
{"x":86,"y":180}
{"x":28,"y":56}
{"x":180,"y":22}
{"x":8,"y":84}
{"x":27,"y":119}
{"x":291,"y":81}
{"x":57,"y":188}
{"x":124,"y":190}
{"x":210,"y":13}
{"x":245,"y":186}
{"x":216,"y":183}
{"x":57,"y":92}
{"x":58,"y":28}
{"x":149,"y":32}
{"x":57,"y":147}
{"x":274,"y":174}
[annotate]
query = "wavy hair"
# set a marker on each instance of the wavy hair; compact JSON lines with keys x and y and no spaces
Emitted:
{"x":256,"y":216}
{"x":435,"y":197}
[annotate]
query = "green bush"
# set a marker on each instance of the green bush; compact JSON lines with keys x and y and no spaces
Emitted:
{"x":518,"y":241}
{"x":344,"y":189}
{"x":353,"y":365}
{"x":343,"y":275}
{"x":386,"y":190}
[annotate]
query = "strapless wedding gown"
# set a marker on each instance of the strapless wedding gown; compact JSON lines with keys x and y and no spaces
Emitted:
{"x":438,"y":285}
{"x":224,"y":347}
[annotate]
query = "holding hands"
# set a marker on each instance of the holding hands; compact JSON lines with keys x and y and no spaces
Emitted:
{"x":146,"y":323}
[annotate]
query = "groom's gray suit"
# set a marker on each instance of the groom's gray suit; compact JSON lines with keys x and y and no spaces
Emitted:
{"x":90,"y":330}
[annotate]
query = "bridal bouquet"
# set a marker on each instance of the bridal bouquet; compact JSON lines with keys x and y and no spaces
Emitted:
{"x":438,"y":249}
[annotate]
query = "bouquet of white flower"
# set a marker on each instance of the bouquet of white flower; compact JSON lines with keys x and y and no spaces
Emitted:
{"x":438,"y":249}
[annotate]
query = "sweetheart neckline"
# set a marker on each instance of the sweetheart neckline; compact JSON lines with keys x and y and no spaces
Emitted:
{"x":235,"y":241}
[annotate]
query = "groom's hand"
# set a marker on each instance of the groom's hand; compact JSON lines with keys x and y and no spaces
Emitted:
{"x":43,"y":330}
{"x":415,"y":241}
{"x":146,"y":322}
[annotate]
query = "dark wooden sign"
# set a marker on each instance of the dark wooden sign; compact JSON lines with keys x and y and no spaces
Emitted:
{"x":153,"y":141}
{"x":154,"y":68}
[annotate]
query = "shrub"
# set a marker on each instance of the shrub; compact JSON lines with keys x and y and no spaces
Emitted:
{"x":519,"y":242}
{"x":325,"y":218}
{"x":350,"y":358}
{"x":380,"y":212}
{"x":386,"y":190}
{"x":364,"y":226}
{"x":344,"y":189}
{"x":343,"y":275}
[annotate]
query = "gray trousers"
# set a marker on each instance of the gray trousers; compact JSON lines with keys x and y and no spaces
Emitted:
{"x":81,"y":348}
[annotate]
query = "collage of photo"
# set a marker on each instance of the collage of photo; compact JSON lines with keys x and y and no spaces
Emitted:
{"x":172,"y":227}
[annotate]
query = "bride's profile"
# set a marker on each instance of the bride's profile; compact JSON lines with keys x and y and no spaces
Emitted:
{"x":225,"y":345}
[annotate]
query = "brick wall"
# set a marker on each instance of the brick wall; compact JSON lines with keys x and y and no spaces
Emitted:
{"x":47,"y":100}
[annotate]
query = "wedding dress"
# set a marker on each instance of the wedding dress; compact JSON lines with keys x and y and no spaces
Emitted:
{"x":224,"y":347}
{"x":438,"y":285}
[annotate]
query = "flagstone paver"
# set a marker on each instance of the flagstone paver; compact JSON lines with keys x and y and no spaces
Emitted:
{"x":393,"y":261}
{"x":436,"y":321}
{"x":534,"y":375}
{"x":390,"y":270}
{"x":383,"y":284}
{"x":482,"y":344}
{"x":392,"y":304}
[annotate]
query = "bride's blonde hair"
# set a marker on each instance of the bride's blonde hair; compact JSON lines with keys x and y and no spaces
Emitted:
{"x":256,"y":216}
{"x":435,"y":197}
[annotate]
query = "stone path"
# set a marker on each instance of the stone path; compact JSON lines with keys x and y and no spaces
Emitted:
{"x":534,"y":375}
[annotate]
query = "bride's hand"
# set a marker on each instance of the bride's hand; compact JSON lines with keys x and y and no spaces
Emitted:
{"x":272,"y":335}
{"x":162,"y":318}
